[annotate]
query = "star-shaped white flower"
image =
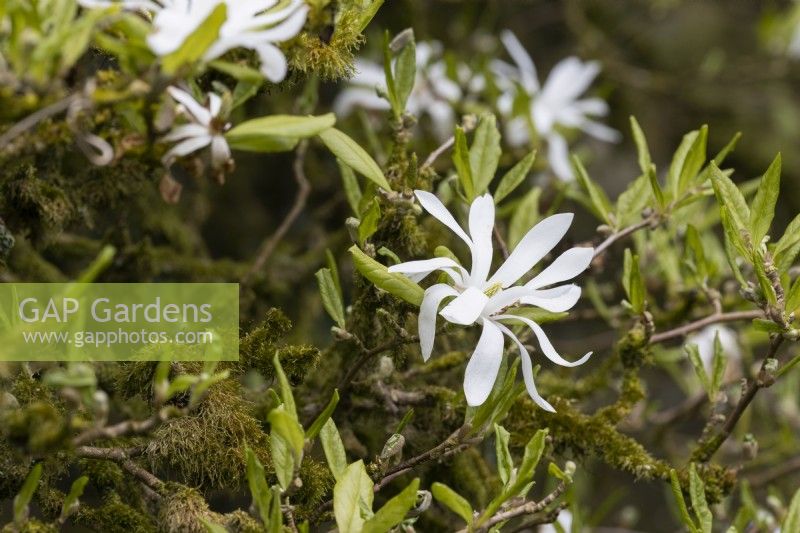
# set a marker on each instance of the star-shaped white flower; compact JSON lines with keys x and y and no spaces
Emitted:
{"x":478,"y":298}
{"x":555,"y":105}
{"x":254,"y":24}
{"x":205,"y":128}
{"x":434,"y":93}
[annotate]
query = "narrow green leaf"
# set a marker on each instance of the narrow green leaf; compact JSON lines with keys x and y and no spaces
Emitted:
{"x":632,"y":202}
{"x":641,"y":146}
{"x":394,"y":511}
{"x":331,"y":298}
{"x":531,"y":457}
{"x":788,"y":246}
{"x":352,"y":189}
{"x":763,"y":209}
{"x":512,"y":179}
{"x":71,"y":501}
{"x":679,"y":161}
{"x":633,"y":282}
{"x":212,"y":527}
{"x":25,"y":494}
{"x":323,"y":417}
{"x":733,"y":244}
{"x":352,"y":491}
{"x":598,"y":198}
{"x":729,"y":196}
{"x":283,"y":459}
{"x":718,"y":364}
{"x":695,"y":158}
{"x":677,"y":492}
{"x":764,"y":282}
{"x":699,"y":503}
{"x":285,"y":388}
{"x":257,"y":482}
{"x":655,"y":186}
{"x":391,"y":86}
{"x":354,"y":156}
{"x":368,"y":11}
{"x":505,"y":466}
{"x":405,"y":73}
{"x":524,"y":216}
{"x":462,"y":163}
{"x":289,"y":429}
{"x":484,"y":154}
{"x":240,"y":72}
{"x":727,"y":149}
{"x":277,"y":133}
{"x":196,"y":44}
{"x":453,"y":501}
{"x":275,"y":524}
{"x":793,"y":297}
{"x":694,"y":254}
{"x":792,"y":520}
{"x":333,"y":447}
{"x":395,"y":284}
{"x":369,"y":221}
{"x":697,"y":363}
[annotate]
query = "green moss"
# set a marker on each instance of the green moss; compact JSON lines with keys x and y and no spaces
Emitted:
{"x":182,"y":510}
{"x":37,"y":428}
{"x":31,"y":526}
{"x":114,"y":516}
{"x":317,"y":485}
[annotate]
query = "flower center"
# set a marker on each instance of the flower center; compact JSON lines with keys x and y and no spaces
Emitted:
{"x":493,"y":289}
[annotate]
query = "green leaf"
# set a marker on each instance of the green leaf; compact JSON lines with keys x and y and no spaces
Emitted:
{"x":633,"y":201}
{"x":282,"y":459}
{"x":530,"y":459}
{"x":212,"y":527}
{"x":198,"y":42}
{"x":641,"y":146}
{"x":368,"y":11}
{"x":405,"y":73}
{"x":699,"y":503}
{"x":394,"y":511}
{"x":257,"y":482}
{"x":333,"y":447}
{"x":792,"y":520}
{"x":484,"y":154}
{"x":677,"y":492}
{"x":730,"y":197}
{"x":461,"y":160}
{"x":697,"y":363}
{"x":71,"y":501}
{"x":514,"y":177}
{"x":765,"y":282}
{"x":694,"y":254}
{"x":633,"y":283}
{"x":352,"y":189}
{"x":733,"y":244}
{"x":237,"y":71}
{"x":352,"y":155}
{"x":391,"y":93}
{"x":599,"y":201}
{"x":324,"y":416}
{"x":452,"y":500}
{"x":25,"y":494}
{"x":395,"y":284}
{"x":289,"y":430}
{"x":718,"y":364}
{"x":505,"y":466}
{"x":655,"y":186}
{"x":793,"y":296}
{"x":353,"y":490}
{"x":763,"y":209}
{"x":695,"y":158}
{"x":277,"y":133}
{"x":788,"y":246}
{"x":369,"y":221}
{"x":525,"y":215}
{"x":331,"y":298}
{"x":275,"y":524}
{"x":285,"y":388}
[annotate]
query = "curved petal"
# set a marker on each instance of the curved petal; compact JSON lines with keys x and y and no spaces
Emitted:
{"x":417,"y":270}
{"x":436,"y":208}
{"x":273,"y":62}
{"x":220,"y":151}
{"x":197,"y":111}
{"x":184,"y":131}
{"x":426,"y":323}
{"x":484,"y":363}
{"x":544,"y":342}
{"x":534,"y":245}
{"x":527,"y":371}
{"x":284,"y":31}
{"x":565,"y":267}
{"x":558,"y":157}
{"x":481,"y":224}
{"x":599,"y":131}
{"x":466,"y":308}
{"x":555,"y":300}
{"x":214,"y":104}
{"x":186,"y":147}
{"x":527,"y":69}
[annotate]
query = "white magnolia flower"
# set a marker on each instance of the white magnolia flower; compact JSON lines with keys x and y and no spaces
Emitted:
{"x":478,"y":298}
{"x":254,"y":24}
{"x":551,"y":107}
{"x":205,"y":128}
{"x":434,"y":93}
{"x":704,"y":339}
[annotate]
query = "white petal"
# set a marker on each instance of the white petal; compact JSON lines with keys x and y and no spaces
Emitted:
{"x":288,"y":29}
{"x":436,"y":208}
{"x":555,"y":300}
{"x":427,"y":315}
{"x":481,"y":224}
{"x":417,"y":270}
{"x":505,"y":298}
{"x":184,"y":131}
{"x":198,"y":112}
{"x":558,"y":157}
{"x":527,"y":371}
{"x":466,"y":308}
{"x":214,"y":104}
{"x":186,"y":147}
{"x":565,"y":267}
{"x":544,"y":342}
{"x":484,"y":364}
{"x":600,"y":131}
{"x":534,"y":245}
{"x":273,"y":62}
{"x":569,"y":79}
{"x":220,"y":151}
{"x":526,"y":67}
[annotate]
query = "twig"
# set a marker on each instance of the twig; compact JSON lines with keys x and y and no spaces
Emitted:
{"x":431,"y":159}
{"x":303,"y":190}
{"x":708,"y":447}
{"x":129,"y":427}
{"x":789,"y":467}
{"x":122,"y":456}
{"x":611,"y":239}
{"x":716,"y":318}
{"x":34,"y":118}
{"x":523,"y":509}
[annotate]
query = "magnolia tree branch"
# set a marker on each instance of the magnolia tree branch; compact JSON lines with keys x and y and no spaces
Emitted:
{"x":129,"y":427}
{"x":621,"y":234}
{"x":716,"y":318}
{"x":35,"y":118}
{"x":303,"y":190}
{"x":122,"y":456}
{"x":526,"y":508}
